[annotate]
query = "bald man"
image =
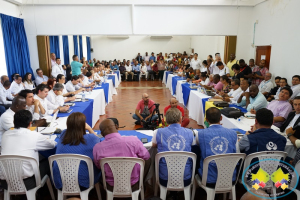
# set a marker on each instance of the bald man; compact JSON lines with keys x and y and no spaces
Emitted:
{"x":144,"y":110}
{"x":115,"y":145}
{"x":174,"y":104}
{"x":266,"y":85}
{"x":254,"y":99}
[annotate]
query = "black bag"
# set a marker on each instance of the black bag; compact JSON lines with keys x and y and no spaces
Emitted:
{"x":232,"y":112}
{"x":221,"y":104}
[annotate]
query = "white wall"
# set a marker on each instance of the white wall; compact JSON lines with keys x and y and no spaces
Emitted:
{"x":12,"y":10}
{"x":208,"y":45}
{"x":279,"y":26}
{"x":109,"y":49}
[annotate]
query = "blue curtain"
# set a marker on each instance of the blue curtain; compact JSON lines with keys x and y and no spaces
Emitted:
{"x":75,"y":45}
{"x":88,"y":45}
{"x":54,"y":45}
{"x":80,"y":47}
{"x":66,"y":49}
{"x":15,"y":46}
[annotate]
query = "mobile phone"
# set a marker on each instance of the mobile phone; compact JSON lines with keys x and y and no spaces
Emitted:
{"x":144,"y":140}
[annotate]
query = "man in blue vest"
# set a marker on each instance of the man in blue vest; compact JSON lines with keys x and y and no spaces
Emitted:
{"x":262,"y":137}
{"x":173,"y":138}
{"x":215,"y":140}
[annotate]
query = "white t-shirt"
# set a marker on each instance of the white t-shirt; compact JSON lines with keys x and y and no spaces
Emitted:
{"x":16,"y":88}
{"x":70,"y":87}
{"x":224,"y":71}
{"x":235,"y":94}
{"x":195,"y":64}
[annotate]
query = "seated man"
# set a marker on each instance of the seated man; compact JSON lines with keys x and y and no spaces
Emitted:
{"x":41,"y":94}
{"x":34,"y":142}
{"x":234,"y":93}
{"x":291,"y":125}
{"x":17,"y":85}
{"x":215,"y":140}
{"x":254,"y":99}
{"x":217,"y":84}
{"x":136,"y":70}
{"x":84,"y":80}
{"x":262,"y":137}
{"x":144,"y":110}
{"x":8,"y":94}
{"x":128,"y":70}
{"x":174,"y":104}
{"x":281,"y":107}
{"x":295,"y":86}
{"x":33,"y":105}
{"x":72,"y":85}
{"x":3,"y":97}
{"x":266,"y":85}
{"x":115,"y":145}
{"x":40,"y":78}
{"x":61,"y":79}
{"x":7,"y":118}
{"x":55,"y":95}
{"x":173,"y":138}
{"x":274,"y":90}
{"x":114,"y":66}
{"x":223,"y":70}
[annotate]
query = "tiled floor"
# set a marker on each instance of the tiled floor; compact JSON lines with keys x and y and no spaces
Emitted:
{"x":122,"y":107}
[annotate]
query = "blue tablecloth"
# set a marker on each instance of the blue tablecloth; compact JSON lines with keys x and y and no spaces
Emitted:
{"x":244,"y":110}
{"x":112,"y":77}
{"x":186,"y":93}
{"x":105,"y":87}
{"x":84,"y":107}
{"x":167,"y":74}
{"x":51,"y":152}
{"x":118,"y":74}
{"x":174,"y":82}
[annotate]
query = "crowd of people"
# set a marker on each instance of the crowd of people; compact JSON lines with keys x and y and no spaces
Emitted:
{"x":25,"y":100}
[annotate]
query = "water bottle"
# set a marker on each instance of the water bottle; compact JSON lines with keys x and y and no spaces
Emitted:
{"x":83,"y":96}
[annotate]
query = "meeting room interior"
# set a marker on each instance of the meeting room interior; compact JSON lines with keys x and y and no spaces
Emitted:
{"x":155,"y":100}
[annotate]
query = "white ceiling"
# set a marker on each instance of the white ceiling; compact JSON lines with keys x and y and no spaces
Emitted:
{"x":141,"y":2}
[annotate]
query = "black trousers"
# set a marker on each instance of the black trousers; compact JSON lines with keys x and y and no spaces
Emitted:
{"x":30,"y":182}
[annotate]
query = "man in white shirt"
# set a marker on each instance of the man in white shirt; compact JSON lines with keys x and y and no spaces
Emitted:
{"x":143,"y":70}
{"x":61,"y":79}
{"x":42,"y":92}
{"x":29,"y":143}
{"x":57,"y":68}
{"x":32,"y":105}
{"x":128,"y":68}
{"x":17,"y":85}
{"x":295,"y":86}
{"x":235,"y":92}
{"x":195,"y":62}
{"x":55,"y":95}
{"x":53,"y":59}
{"x":72,"y":85}
{"x":223,"y":70}
{"x":40,"y":78}
{"x":266,"y":85}
{"x":85,"y":80}
{"x":7,"y":118}
{"x":146,"y":57}
{"x":3,"y":90}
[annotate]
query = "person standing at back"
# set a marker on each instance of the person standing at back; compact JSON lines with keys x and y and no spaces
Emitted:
{"x":232,"y":62}
{"x":76,"y":66}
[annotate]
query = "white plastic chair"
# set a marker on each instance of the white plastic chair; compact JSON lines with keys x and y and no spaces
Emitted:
{"x":226,"y":164}
{"x":176,"y":162}
{"x":121,"y":168}
{"x":11,"y":167}
{"x":269,"y":167}
{"x":68,"y":165}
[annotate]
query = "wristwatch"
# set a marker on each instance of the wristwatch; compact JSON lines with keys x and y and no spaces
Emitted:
{"x":289,"y":134}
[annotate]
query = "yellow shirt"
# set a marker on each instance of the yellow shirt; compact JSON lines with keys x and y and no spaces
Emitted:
{"x":230,"y":64}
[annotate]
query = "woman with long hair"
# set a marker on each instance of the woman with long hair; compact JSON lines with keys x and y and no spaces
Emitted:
{"x":28,"y":81}
{"x":51,"y":82}
{"x":75,"y":141}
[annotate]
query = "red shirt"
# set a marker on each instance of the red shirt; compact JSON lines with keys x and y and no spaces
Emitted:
{"x":178,"y":107}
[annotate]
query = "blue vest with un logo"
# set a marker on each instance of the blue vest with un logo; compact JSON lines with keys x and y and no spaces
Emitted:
{"x":174,"y":138}
{"x":215,"y":140}
{"x":265,"y":139}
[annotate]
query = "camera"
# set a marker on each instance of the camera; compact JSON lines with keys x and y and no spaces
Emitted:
{"x":151,"y":125}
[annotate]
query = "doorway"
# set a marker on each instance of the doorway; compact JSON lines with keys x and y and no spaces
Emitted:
{"x":263,"y":53}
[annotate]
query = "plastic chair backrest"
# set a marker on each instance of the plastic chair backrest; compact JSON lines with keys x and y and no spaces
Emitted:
{"x":270,"y":166}
{"x":121,"y":168}
{"x":68,"y":165}
{"x":12,"y":170}
{"x":226,"y":164}
{"x":176,"y":162}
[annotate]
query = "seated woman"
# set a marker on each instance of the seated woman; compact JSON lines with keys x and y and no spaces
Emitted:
{"x":180,"y":70}
{"x":226,"y":86}
{"x":196,"y":78}
{"x":50,"y":83}
{"x":204,"y":78}
{"x":189,"y":74}
{"x":28,"y":81}
{"x":75,"y":141}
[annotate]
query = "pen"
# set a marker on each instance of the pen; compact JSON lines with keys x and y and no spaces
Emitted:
{"x":42,"y":129}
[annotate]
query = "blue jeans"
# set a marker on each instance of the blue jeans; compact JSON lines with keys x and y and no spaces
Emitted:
{"x":2,"y":110}
{"x":154,"y":117}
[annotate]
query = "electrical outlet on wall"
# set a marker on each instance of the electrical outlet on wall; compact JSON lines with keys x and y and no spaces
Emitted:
{"x":256,"y":22}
